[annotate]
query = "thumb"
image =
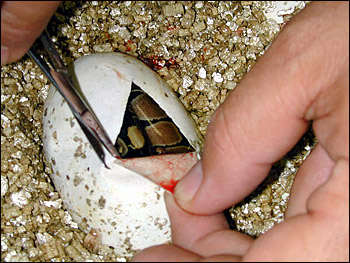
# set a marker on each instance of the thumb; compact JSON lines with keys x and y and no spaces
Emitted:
{"x":21,"y":23}
{"x":264,"y":117}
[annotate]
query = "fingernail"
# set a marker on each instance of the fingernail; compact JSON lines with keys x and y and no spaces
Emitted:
{"x":4,"y":55}
{"x":189,"y":185}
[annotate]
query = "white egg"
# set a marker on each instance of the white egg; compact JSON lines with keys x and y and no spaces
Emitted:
{"x":120,"y":203}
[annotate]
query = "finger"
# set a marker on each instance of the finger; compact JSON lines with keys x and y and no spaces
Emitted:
{"x":21,"y":23}
{"x":187,"y":228}
{"x":329,"y":208}
{"x":264,"y":116}
{"x":312,"y":174}
{"x":333,"y":195}
{"x":321,"y":234}
{"x":204,"y":235}
{"x":168,"y":253}
{"x":222,"y":258}
{"x":165,"y":253}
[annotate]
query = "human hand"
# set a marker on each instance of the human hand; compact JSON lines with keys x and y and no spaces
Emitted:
{"x":303,"y":76}
{"x":21,"y":23}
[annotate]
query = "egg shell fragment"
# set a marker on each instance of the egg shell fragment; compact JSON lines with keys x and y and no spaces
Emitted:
{"x":111,"y":74}
{"x":127,"y":209}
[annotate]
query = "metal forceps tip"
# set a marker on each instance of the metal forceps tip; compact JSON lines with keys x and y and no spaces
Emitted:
{"x":54,"y":68}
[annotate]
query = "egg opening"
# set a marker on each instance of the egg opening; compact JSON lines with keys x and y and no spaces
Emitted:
{"x":147,"y":130}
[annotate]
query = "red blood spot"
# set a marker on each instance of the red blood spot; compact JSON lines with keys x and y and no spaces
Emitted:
{"x":156,"y":62}
{"x":128,"y":45}
{"x":172,"y":61}
{"x":120,"y":159}
{"x":170,"y":185}
{"x":170,"y":27}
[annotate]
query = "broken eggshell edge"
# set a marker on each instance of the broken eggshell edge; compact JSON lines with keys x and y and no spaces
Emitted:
{"x":127,"y":209}
{"x":111,"y":74}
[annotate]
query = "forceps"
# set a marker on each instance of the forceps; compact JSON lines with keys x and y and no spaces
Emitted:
{"x":54,"y":68}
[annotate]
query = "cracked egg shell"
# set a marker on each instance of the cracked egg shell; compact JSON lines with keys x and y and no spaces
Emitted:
{"x":127,"y":209}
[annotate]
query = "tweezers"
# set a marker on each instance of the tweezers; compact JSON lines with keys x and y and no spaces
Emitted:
{"x":54,"y":68}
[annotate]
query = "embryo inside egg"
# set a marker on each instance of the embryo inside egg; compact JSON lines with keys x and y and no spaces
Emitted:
{"x":147,"y":130}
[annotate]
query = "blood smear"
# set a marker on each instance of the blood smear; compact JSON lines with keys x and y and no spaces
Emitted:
{"x":170,"y":185}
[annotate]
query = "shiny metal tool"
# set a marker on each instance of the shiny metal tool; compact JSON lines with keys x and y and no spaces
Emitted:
{"x":54,"y":68}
